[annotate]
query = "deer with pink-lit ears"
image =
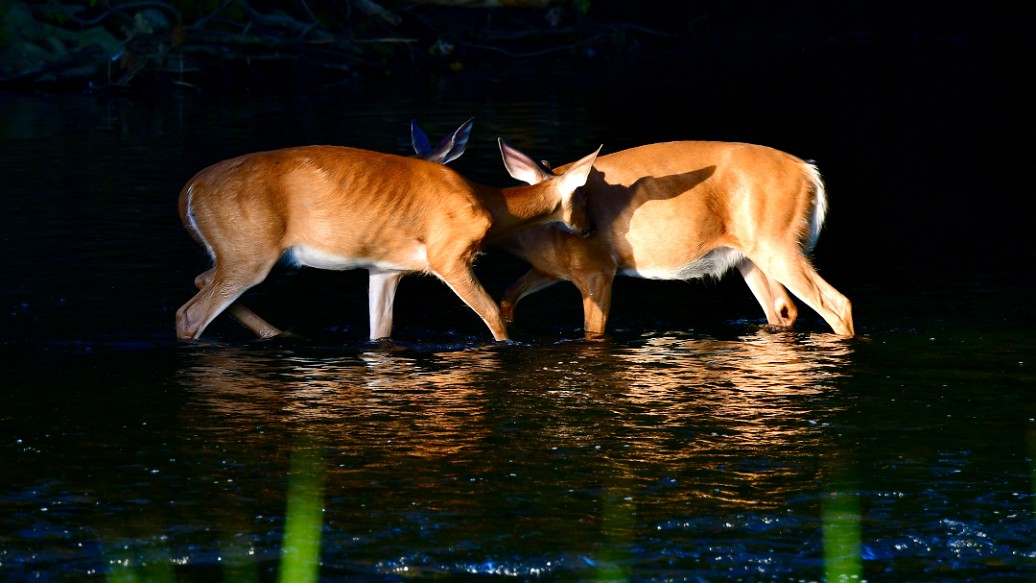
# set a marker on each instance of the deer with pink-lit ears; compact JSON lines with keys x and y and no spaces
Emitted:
{"x":684,"y":210}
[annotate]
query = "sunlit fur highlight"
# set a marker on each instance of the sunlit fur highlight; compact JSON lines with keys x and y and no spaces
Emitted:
{"x":819,"y":214}
{"x":684,"y":210}
{"x":338,"y":208}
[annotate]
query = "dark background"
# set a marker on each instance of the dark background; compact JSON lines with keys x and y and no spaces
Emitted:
{"x":918,"y":114}
{"x":692,"y":444}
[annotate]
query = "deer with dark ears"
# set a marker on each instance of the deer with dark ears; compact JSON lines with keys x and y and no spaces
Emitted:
{"x":334,"y":207}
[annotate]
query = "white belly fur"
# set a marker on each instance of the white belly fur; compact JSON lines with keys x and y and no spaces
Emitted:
{"x":310,"y":257}
{"x":715,"y":263}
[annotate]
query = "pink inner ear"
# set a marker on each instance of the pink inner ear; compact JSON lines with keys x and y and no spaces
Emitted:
{"x":520,"y":166}
{"x":577,"y":174}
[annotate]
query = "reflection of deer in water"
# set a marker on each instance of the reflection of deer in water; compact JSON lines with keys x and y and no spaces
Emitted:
{"x":744,"y":418}
{"x":430,"y":406}
{"x":683,"y":210}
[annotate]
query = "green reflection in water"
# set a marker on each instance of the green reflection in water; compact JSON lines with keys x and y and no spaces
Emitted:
{"x":154,"y":568}
{"x":841,"y":530}
{"x":300,"y":553}
{"x":618,"y":525}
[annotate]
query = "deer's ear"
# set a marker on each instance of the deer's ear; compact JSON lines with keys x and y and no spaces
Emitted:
{"x":578,"y":172}
{"x":520,"y":166}
{"x":450,"y":147}
{"x":419,"y":141}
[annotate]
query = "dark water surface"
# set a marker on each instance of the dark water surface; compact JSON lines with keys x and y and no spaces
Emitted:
{"x":694,"y":445}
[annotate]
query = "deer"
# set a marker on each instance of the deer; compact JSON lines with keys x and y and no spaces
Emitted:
{"x":684,"y":210}
{"x":336,"y":207}
{"x":382,"y":282}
